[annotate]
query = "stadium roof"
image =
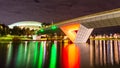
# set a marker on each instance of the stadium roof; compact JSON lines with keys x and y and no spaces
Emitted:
{"x":25,"y":23}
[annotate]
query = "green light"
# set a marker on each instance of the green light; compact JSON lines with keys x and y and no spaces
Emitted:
{"x":53,"y":27}
{"x":53,"y":56}
{"x":35,"y":53}
{"x":20,"y":54}
{"x":25,"y":53}
{"x":40,"y":63}
{"x":30,"y":54}
{"x":41,"y":30}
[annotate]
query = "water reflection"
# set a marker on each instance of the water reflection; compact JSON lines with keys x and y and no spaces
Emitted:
{"x":39,"y":54}
{"x":105,"y":51}
{"x":53,"y":55}
{"x":9,"y":55}
{"x":71,"y":57}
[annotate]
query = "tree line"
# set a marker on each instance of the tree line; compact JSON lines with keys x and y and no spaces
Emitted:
{"x":5,"y":30}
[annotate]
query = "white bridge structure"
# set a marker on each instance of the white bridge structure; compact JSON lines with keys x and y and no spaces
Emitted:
{"x":89,"y":22}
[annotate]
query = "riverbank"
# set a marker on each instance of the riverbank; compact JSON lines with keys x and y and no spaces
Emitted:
{"x":11,"y":37}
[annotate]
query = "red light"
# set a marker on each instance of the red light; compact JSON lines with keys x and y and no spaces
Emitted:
{"x":71,"y":57}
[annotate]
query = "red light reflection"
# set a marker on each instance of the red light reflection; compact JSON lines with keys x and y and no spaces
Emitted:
{"x":70,"y":56}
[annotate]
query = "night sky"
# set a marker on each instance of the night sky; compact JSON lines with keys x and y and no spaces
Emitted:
{"x":12,"y":11}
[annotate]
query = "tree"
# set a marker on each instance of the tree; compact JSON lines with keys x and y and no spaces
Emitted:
{"x":16,"y":31}
{"x":4,"y":30}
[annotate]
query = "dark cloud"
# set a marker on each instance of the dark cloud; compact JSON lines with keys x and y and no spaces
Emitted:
{"x":12,"y":11}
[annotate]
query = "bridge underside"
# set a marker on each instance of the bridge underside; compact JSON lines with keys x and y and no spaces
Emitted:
{"x":88,"y":23}
{"x":78,"y":30}
{"x":103,"y":20}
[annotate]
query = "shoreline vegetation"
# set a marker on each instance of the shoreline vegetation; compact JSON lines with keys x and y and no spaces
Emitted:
{"x":12,"y":37}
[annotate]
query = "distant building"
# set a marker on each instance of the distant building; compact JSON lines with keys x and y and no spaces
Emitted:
{"x":27,"y":24}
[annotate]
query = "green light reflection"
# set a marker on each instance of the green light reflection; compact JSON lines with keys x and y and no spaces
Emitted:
{"x":25,"y":53}
{"x":35,"y":54}
{"x":9,"y":56}
{"x":53,"y":56}
{"x":20,"y":54}
{"x":40,"y":63}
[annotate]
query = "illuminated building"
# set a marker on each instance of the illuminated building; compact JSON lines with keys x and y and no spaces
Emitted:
{"x":27,"y":24}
